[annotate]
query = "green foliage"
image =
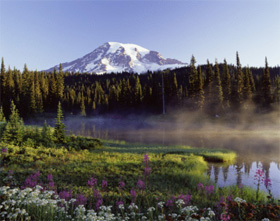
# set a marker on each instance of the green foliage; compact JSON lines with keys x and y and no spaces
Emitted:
{"x":13,"y":132}
{"x":2,"y":117}
{"x":59,"y":131}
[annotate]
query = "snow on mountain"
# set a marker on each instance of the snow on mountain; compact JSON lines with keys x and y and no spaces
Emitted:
{"x":117,"y":57}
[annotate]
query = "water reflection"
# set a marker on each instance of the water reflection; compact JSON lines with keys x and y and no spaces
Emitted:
{"x":243,"y":174}
{"x":254,"y":147}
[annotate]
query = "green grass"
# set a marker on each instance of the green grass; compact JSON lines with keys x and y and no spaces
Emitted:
{"x":209,"y":155}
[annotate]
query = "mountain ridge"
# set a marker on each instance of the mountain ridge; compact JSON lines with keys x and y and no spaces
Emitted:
{"x":119,"y":57}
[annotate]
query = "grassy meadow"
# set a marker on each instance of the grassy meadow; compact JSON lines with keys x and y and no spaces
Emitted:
{"x":48,"y":175}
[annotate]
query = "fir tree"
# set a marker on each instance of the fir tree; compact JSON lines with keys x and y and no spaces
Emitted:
{"x":247,"y":85}
{"x":226,"y":82}
{"x":2,"y":116}
{"x":192,"y":78}
{"x":217,"y":88}
{"x":83,"y":108}
{"x":60,"y":84}
{"x":208,"y":82}
{"x":59,"y":130}
{"x":200,"y":92}
{"x":240,"y":81}
{"x":266,"y":86}
{"x":14,"y":130}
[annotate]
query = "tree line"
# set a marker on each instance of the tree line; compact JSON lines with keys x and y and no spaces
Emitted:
{"x":213,"y":88}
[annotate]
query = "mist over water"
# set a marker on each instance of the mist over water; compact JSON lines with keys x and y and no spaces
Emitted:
{"x":255,"y":138}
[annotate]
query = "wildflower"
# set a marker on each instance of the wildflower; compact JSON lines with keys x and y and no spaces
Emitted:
{"x":267,"y":183}
{"x":146,"y":160}
{"x":209,"y":189}
{"x":133,"y":194}
{"x":224,"y":217}
{"x":121,"y":185}
{"x":147,"y":171}
{"x":151,"y":209}
{"x":104,"y":184}
{"x":120,"y":205}
{"x":80,"y":199}
{"x":140,"y":184}
{"x":187,"y":198}
{"x":98,"y":203}
{"x":92,"y":182}
{"x":200,"y":186}
{"x":161,"y":204}
{"x":259,"y":176}
{"x":4,"y":150}
{"x":180,"y":203}
{"x":67,"y":195}
{"x":51,"y":182}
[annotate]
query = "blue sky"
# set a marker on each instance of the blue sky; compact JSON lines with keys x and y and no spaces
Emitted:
{"x":45,"y":33}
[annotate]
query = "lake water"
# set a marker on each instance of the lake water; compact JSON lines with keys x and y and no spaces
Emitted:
{"x":255,"y":147}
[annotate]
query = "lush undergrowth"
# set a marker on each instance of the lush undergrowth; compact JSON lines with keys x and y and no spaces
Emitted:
{"x":168,"y":184}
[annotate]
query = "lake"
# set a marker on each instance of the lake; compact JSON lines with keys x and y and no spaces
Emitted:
{"x":257,"y":146}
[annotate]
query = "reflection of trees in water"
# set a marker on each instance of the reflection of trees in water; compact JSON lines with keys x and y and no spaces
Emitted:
{"x":225,"y":172}
{"x":238,"y":167}
{"x":216,"y":173}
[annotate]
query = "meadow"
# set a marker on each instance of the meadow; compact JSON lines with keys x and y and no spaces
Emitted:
{"x":48,"y":175}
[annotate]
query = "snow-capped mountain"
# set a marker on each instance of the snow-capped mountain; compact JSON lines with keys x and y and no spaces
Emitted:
{"x":117,"y":57}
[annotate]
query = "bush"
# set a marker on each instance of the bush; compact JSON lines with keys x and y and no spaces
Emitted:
{"x":82,"y":143}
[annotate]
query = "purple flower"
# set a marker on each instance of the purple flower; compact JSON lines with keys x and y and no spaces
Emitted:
{"x":98,"y":203}
{"x":4,"y":150}
{"x":121,"y":185}
{"x":31,"y":181}
{"x":133,"y":194}
{"x":147,"y":171}
{"x":209,"y":189}
{"x":146,"y":160}
{"x":119,"y":203}
{"x":51,"y":182}
{"x":92,"y":182}
{"x":267,"y":183}
{"x":140,"y":184}
{"x":97,"y":195}
{"x":170,"y":203}
{"x":104,"y":184}
{"x":187,"y":198}
{"x":67,"y":195}
{"x":200,"y":186}
{"x":229,"y":198}
{"x":259,"y":176}
{"x":80,"y":199}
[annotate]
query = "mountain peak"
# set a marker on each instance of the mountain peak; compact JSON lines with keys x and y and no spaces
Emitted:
{"x":120,"y":57}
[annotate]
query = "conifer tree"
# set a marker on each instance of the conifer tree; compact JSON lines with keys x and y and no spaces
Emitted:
{"x":266,"y":86}
{"x":226,"y":82}
{"x":247,"y":85}
{"x":33,"y":98}
{"x":2,"y":79}
{"x":192,"y":78}
{"x":14,"y":129}
{"x":217,"y":88}
{"x":83,"y":108}
{"x":138,"y":91}
{"x":208,"y":82}
{"x":46,"y":134}
{"x":239,"y":81}
{"x":59,"y":130}
{"x":60,"y":83}
{"x":2,"y":116}
{"x":200,"y":92}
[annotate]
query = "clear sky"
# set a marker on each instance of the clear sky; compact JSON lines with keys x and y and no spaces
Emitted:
{"x":45,"y":33}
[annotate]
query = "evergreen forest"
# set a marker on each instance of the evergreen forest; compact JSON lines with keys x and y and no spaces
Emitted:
{"x":212,"y":88}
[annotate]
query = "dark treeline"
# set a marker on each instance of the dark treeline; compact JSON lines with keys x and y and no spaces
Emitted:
{"x":213,"y":88}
